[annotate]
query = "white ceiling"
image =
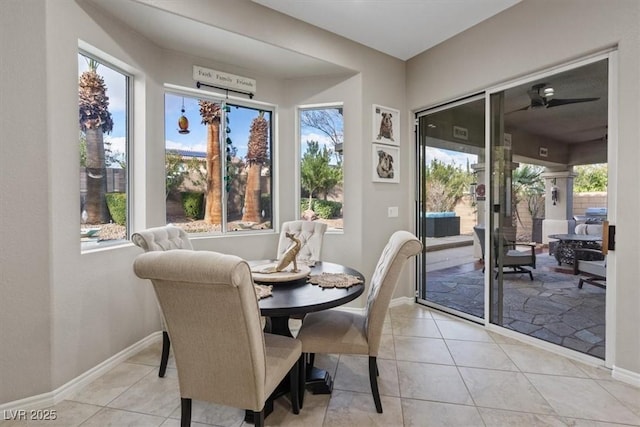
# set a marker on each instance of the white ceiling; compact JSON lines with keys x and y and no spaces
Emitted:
{"x":175,"y":32}
{"x":400,"y":28}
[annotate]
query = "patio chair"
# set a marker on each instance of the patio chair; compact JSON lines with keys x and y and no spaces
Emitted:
{"x":593,"y":264}
{"x":511,"y":258}
{"x":479,"y":230}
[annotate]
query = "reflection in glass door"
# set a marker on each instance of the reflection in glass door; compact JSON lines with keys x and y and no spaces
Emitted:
{"x":548,"y":158}
{"x":450,"y":206}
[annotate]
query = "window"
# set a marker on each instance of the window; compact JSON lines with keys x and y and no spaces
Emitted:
{"x":218,"y":165}
{"x":321,"y":172}
{"x":103,"y":103}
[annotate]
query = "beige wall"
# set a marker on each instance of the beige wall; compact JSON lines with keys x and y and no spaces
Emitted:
{"x":25,"y":257}
{"x":524,"y":39}
{"x":66,"y":312}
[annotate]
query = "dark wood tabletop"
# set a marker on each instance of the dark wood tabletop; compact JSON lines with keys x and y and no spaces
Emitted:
{"x":299,"y":297}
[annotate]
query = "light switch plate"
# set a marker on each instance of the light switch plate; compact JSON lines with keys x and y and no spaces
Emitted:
{"x":392,"y":212}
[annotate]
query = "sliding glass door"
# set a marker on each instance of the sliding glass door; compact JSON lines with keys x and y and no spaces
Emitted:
{"x":450,"y":206}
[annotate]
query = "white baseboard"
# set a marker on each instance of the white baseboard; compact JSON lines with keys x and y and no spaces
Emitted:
{"x":402,"y":300}
{"x":626,"y":376}
{"x":51,"y":398}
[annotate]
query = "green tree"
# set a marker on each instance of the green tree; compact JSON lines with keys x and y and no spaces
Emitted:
{"x":590,"y":178}
{"x":444,"y":185}
{"x":177,"y":169}
{"x":527,"y":184}
{"x":317,"y":174}
{"x":328,"y":121}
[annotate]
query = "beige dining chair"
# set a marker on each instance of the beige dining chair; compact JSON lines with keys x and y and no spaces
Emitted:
{"x":162,"y":239}
{"x":341,"y":332}
{"x":222,"y":355}
{"x":311,"y":236}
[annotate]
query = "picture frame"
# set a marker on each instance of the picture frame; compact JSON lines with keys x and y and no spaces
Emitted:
{"x":385,"y":163}
{"x":385,"y":125}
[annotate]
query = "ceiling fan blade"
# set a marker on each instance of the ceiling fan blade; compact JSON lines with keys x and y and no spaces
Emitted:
{"x":526,"y":107}
{"x":559,"y":102}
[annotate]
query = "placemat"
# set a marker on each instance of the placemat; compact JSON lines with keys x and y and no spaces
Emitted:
{"x":263,"y":291}
{"x":334,"y":280}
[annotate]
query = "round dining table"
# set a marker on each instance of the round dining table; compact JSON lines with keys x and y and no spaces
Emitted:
{"x":299,"y":297}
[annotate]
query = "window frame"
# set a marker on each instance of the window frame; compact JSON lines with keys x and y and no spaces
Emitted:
{"x":299,"y":152}
{"x":110,"y":62}
{"x":234,"y":101}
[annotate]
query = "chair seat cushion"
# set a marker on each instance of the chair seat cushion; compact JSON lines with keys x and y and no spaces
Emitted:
{"x":597,"y":268}
{"x":334,"y":331}
{"x":515,"y":257}
{"x":281,"y":354}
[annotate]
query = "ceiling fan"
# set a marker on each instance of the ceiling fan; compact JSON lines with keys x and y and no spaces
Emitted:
{"x":542,"y":97}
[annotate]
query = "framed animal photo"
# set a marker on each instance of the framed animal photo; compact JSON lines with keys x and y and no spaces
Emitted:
{"x":386,"y":125}
{"x":385,"y":162}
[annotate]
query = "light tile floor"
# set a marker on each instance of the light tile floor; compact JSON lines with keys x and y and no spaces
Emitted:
{"x":435,"y":370}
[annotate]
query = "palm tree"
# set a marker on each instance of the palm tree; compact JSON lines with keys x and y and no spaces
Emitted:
{"x":256,"y":157}
{"x":95,"y":120}
{"x":527,"y":184}
{"x":211,"y":113}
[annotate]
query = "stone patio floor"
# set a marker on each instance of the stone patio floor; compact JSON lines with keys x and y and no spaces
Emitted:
{"x":551,"y":307}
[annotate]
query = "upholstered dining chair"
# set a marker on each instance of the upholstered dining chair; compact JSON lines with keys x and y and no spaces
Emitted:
{"x":341,"y":332}
{"x":162,"y":239}
{"x":310,"y":234}
{"x":212,"y":314}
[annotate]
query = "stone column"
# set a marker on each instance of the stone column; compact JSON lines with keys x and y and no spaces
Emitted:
{"x":558,"y":218}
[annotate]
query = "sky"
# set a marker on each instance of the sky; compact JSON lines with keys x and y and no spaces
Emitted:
{"x":239,"y":124}
{"x":449,"y":157}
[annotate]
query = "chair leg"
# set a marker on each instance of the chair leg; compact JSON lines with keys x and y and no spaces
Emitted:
{"x":302,"y":378}
{"x":185,"y":417}
{"x":580,"y":283}
{"x":310,"y":361}
{"x":373,"y":369}
{"x":258,"y":418}
{"x":164,"y":359}
{"x":294,"y":380}
{"x":530,"y":275}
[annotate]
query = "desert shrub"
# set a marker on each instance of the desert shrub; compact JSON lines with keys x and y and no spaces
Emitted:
{"x":193,"y":204}
{"x":325,"y":209}
{"x":117,"y":204}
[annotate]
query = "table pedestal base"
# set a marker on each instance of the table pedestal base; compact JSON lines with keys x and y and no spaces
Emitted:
{"x":319,"y":381}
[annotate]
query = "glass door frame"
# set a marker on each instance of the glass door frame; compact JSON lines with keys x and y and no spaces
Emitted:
{"x":491,"y":92}
{"x":420,"y":158}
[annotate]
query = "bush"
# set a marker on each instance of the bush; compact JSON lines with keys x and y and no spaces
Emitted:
{"x":193,"y":204}
{"x":117,"y":204}
{"x":325,"y":209}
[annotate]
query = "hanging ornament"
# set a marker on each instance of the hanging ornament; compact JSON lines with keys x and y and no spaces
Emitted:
{"x":183,"y":122}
